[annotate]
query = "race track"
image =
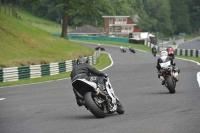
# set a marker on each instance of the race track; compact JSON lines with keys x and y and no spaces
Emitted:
{"x":149,"y":108}
{"x":193,"y":44}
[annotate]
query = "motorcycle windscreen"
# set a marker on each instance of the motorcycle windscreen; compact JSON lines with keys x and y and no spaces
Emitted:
{"x":165,"y":64}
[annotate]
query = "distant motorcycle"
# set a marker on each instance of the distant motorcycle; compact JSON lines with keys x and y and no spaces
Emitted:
{"x":132,"y":50}
{"x":167,"y":71}
{"x":106,"y":102}
{"x":154,"y":52}
{"x":123,"y":50}
{"x":100,"y":48}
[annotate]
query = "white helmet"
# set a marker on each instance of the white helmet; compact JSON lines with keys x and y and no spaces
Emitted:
{"x":163,"y":53}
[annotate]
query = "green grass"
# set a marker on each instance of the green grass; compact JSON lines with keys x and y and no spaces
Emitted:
{"x":189,"y":58}
{"x":44,"y":24}
{"x":192,"y":36}
{"x":102,"y":61}
{"x":22,"y":45}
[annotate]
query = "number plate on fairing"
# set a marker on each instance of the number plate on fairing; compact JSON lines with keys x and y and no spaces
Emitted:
{"x":165,"y":64}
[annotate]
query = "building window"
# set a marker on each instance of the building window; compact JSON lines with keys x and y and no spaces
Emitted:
{"x":117,"y":29}
{"x":111,"y":29}
{"x":110,"y":21}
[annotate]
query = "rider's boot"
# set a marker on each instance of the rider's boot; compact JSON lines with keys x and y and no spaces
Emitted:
{"x":163,"y":80}
{"x":176,"y":76}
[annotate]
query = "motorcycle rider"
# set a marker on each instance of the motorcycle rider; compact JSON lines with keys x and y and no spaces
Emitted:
{"x":83,"y":70}
{"x":153,"y":49}
{"x":171,"y":51}
{"x":131,"y":49}
{"x":122,"y":49}
{"x":164,"y":58}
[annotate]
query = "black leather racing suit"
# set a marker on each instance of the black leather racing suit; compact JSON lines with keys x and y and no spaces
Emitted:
{"x":153,"y":50}
{"x":84,"y":71}
{"x":161,"y":61}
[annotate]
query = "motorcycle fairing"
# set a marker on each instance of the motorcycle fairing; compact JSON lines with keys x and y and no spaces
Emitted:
{"x":165,"y":64}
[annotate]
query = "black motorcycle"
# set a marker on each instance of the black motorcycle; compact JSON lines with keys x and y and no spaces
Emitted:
{"x":105,"y":102}
{"x":100,"y":48}
{"x":123,"y":50}
{"x":167,"y":71}
{"x":154,"y":52}
{"x":132,"y":50}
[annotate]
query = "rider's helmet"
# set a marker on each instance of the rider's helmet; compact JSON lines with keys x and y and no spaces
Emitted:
{"x":98,"y":44}
{"x":81,"y":60}
{"x":163,"y":53}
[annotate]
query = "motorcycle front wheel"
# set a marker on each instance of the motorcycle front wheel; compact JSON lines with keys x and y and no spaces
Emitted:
{"x":95,"y":108}
{"x":120,"y":108}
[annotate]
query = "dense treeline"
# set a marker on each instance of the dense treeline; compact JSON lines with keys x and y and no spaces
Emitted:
{"x":165,"y":16}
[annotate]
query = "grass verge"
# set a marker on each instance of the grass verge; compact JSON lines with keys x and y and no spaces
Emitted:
{"x":102,"y":61}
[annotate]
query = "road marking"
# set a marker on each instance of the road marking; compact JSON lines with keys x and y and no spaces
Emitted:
{"x":198,"y":78}
{"x":198,"y":74}
{"x":2,"y":99}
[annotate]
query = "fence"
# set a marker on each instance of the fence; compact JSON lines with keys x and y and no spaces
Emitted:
{"x":35,"y":71}
{"x":102,"y":38}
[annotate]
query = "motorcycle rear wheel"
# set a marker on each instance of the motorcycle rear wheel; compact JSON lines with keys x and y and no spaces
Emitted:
{"x":170,"y":84}
{"x":93,"y":107}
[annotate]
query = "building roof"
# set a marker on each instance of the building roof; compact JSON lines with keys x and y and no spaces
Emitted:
{"x":115,"y":16}
{"x":87,"y":29}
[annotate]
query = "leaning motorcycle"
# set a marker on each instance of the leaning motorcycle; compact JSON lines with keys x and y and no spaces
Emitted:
{"x":106,"y":102}
{"x":123,"y":50}
{"x":167,"y":71}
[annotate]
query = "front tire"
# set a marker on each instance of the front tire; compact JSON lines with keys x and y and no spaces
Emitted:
{"x":120,"y":108}
{"x":92,"y":106}
{"x":170,"y":84}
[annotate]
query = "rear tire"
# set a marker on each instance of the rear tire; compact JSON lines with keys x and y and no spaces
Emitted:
{"x":170,"y":84}
{"x":92,"y":106}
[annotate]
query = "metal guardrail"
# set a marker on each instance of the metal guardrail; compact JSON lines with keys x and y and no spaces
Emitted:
{"x":35,"y":71}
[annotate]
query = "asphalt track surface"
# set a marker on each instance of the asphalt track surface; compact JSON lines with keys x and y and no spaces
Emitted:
{"x":149,"y":108}
{"x":194,"y":44}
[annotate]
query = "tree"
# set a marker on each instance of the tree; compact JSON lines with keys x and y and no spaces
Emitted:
{"x":73,"y":7}
{"x":194,"y":11}
{"x":180,"y":16}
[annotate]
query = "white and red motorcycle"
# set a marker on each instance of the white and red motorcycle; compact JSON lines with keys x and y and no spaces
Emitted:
{"x":105,"y":102}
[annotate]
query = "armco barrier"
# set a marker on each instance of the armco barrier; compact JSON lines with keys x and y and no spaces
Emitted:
{"x":35,"y":71}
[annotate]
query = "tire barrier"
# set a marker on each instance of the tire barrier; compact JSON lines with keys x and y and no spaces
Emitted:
{"x":36,"y":71}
